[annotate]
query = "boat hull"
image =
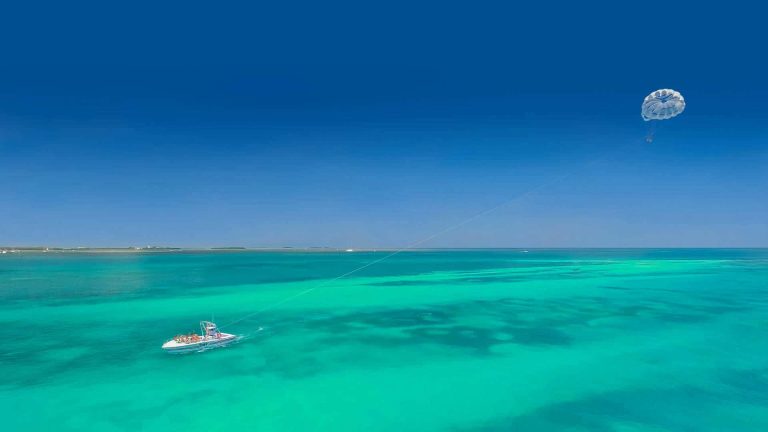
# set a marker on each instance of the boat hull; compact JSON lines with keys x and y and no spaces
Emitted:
{"x":173,"y":346}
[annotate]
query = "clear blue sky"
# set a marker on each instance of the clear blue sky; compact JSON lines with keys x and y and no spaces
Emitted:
{"x":373,"y":125}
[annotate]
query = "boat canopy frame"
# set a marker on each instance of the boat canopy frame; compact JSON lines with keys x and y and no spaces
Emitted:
{"x":209,"y":328}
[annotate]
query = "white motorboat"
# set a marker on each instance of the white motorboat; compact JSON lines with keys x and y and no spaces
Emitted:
{"x":210,"y":337}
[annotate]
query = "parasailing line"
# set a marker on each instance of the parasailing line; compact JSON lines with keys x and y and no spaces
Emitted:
{"x":433,"y":236}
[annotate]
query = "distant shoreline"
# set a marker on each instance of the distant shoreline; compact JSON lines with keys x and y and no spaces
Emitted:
{"x":138,"y":250}
{"x":10,"y":250}
{"x":4,"y":250}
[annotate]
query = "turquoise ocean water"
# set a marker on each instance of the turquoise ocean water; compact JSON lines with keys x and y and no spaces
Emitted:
{"x":487,"y":340}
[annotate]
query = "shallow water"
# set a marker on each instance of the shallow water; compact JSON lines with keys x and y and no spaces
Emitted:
{"x":495,"y":340}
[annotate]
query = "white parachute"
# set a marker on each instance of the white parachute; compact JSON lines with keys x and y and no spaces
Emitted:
{"x":662,"y":104}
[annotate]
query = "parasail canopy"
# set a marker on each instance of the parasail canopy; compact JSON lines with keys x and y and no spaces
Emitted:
{"x":662,"y":104}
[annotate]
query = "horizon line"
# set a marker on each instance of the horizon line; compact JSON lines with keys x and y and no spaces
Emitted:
{"x":20,"y":248}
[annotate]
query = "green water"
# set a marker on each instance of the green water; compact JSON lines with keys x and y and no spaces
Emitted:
{"x":551,"y":340}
